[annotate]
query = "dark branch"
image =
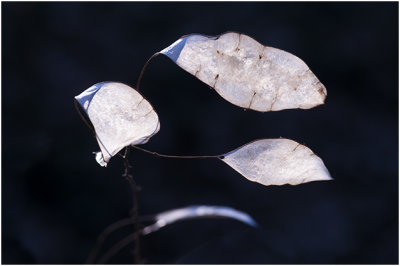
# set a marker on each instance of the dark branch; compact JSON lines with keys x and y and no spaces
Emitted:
{"x":117,"y":247}
{"x":103,"y":236}
{"x":135,"y":201}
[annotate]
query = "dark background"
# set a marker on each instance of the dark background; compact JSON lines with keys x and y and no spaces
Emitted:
{"x":56,"y":199}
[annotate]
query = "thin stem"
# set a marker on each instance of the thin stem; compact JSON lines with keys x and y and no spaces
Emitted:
{"x":179,"y":156}
{"x":103,"y":236}
{"x":135,"y":198}
{"x":110,"y":229}
{"x":117,"y":247}
{"x":143,"y":69}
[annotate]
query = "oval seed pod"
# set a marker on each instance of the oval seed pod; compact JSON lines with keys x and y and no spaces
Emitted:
{"x":277,"y":162}
{"x":247,"y":73}
{"x":120,"y":117}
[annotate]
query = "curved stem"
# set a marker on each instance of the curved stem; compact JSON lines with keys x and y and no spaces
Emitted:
{"x":110,"y":229}
{"x":179,"y":156}
{"x":117,"y":247}
{"x":143,"y":69}
{"x":103,"y":236}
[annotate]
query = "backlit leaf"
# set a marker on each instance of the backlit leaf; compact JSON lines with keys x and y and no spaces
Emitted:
{"x":248,"y":74}
{"x":277,"y":162}
{"x":120,"y":117}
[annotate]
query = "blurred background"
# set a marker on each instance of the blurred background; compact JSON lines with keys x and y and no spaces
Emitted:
{"x":56,"y":199}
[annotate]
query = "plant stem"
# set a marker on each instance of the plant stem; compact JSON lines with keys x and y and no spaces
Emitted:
{"x":143,"y":69}
{"x":135,"y":200}
{"x":103,"y":236}
{"x":117,"y":247}
{"x":179,"y":156}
